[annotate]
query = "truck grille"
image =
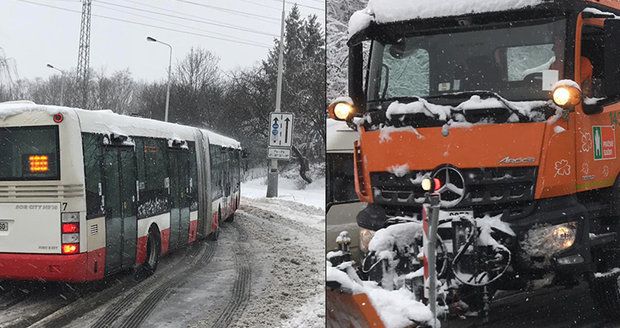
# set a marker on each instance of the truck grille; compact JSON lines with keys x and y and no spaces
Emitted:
{"x":487,"y":190}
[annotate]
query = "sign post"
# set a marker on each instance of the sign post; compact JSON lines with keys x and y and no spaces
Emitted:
{"x":272,"y":177}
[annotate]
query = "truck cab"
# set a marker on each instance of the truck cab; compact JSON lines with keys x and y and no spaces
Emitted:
{"x":514,"y":107}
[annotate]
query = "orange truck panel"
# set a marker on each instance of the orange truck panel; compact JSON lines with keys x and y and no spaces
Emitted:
{"x":346,"y":310}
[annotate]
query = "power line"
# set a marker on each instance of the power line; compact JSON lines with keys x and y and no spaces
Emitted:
{"x":190,"y":19}
{"x":301,"y":5}
{"x":153,"y":26}
{"x":167,"y":22}
{"x":289,"y":2}
{"x":232,"y":11}
{"x":200,"y":19}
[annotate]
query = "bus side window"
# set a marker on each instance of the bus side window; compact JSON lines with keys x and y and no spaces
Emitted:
{"x":92,"y":147}
{"x":154,"y":195}
{"x":216,"y":171}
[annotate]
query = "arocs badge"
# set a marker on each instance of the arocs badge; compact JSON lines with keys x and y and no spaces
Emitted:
{"x":604,"y":140}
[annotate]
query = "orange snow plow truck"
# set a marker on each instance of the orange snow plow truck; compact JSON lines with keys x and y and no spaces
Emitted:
{"x":515,"y":107}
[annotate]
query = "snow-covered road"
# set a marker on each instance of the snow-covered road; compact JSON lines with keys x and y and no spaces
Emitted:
{"x":266,"y":270}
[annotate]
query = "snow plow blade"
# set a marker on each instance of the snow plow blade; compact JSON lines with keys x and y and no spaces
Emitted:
{"x":345,"y":310}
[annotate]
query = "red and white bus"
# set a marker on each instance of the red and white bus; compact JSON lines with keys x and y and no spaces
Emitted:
{"x":85,"y":194}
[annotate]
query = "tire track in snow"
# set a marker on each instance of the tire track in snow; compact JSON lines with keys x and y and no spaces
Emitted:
{"x":243,"y":282}
{"x":65,"y":314}
{"x":141,"y":313}
{"x":159,"y":290}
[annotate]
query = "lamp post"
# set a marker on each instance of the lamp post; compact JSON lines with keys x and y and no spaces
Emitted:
{"x":150,"y":39}
{"x":62,"y":83}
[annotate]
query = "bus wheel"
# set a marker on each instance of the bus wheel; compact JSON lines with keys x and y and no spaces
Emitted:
{"x":153,"y":248}
{"x":215,"y":235}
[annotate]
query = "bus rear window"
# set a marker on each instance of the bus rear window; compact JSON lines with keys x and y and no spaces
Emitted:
{"x":29,"y":153}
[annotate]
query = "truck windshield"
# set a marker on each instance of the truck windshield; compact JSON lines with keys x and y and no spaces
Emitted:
{"x":516,"y":62}
{"x":29,"y":153}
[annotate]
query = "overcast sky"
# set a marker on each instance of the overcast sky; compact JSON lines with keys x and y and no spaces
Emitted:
{"x":34,"y":35}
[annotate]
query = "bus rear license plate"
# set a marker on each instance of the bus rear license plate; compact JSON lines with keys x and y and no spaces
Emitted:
{"x":4,"y":226}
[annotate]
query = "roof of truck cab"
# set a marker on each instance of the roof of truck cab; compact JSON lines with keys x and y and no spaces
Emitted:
{"x":393,"y":11}
{"x":108,"y":122}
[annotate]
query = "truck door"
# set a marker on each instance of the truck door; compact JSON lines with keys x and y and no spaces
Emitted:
{"x":596,"y":128}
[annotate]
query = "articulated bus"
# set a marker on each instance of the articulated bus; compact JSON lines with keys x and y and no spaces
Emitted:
{"x":85,"y":194}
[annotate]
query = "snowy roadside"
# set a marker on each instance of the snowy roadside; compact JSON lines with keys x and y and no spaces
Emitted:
{"x":295,"y":210}
{"x":306,"y":205}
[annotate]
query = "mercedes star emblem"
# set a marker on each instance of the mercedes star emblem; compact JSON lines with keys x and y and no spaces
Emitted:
{"x":452,"y":186}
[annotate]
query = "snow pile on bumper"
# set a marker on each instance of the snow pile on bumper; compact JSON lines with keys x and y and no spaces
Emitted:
{"x":397,"y":308}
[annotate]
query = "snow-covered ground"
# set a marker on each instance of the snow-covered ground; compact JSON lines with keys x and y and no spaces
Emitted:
{"x":295,"y":196}
{"x":301,"y":207}
{"x":288,"y":189}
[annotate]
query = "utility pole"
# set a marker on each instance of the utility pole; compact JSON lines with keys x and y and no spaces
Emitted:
{"x":84,"y":52}
{"x":272,"y":178}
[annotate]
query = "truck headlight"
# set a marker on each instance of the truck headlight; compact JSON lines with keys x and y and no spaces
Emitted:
{"x":365,"y":238}
{"x":564,"y":235}
{"x":549,"y":239}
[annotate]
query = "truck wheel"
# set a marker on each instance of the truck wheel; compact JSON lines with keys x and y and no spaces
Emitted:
{"x":605,"y":292}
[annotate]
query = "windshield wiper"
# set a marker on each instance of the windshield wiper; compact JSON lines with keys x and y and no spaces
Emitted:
{"x":483,"y":93}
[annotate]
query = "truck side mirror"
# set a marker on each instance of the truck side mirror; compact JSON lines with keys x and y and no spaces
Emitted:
{"x":244,"y":153}
{"x":356,"y":76}
{"x":612,"y":58}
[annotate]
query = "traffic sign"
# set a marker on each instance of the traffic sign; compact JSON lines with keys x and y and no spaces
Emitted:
{"x":279,"y":153}
{"x":281,"y":126}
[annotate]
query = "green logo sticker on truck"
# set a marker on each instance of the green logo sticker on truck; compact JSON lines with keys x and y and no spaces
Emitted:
{"x":604,"y":140}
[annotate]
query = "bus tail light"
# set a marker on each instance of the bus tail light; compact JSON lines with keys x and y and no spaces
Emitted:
{"x":72,"y":227}
{"x":70,"y":248}
{"x":70,"y":217}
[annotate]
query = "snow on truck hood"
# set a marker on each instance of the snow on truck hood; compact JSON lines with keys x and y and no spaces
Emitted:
{"x":389,"y":11}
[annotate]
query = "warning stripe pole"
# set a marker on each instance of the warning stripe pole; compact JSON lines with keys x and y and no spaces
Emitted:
{"x":430,"y":220}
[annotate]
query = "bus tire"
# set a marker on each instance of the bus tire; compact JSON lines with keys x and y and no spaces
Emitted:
{"x":216,"y":234}
{"x":606,"y":295}
{"x":153,"y":250}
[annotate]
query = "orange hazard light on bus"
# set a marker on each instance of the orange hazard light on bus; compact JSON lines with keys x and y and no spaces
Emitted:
{"x":38,"y":163}
{"x":70,"y":248}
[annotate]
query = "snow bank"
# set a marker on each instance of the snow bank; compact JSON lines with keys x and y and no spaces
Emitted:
{"x":388,"y":11}
{"x":312,"y":195}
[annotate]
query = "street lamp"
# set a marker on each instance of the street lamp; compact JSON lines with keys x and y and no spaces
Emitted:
{"x":62,"y":83}
{"x":150,"y":39}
